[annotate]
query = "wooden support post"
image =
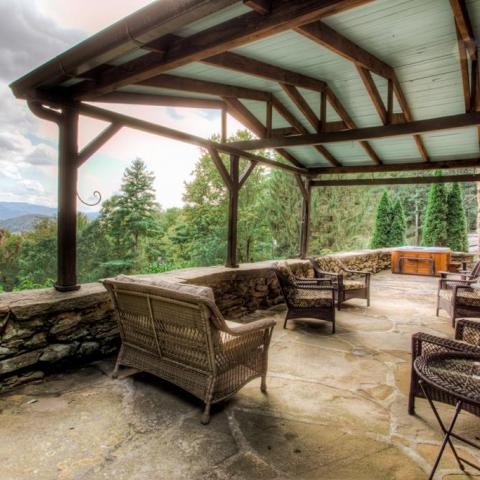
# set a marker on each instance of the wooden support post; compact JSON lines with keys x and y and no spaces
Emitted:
{"x":390,"y":101}
{"x":323,"y":111}
{"x":224,"y":125}
{"x":233,"y":212}
{"x":268,"y":119}
{"x":67,"y":201}
{"x":305,"y":225}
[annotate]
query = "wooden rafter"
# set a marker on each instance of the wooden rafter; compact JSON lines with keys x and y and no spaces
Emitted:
{"x":331,"y":39}
{"x":263,"y":7}
{"x":233,"y":33}
{"x":244,"y":116}
{"x":149,"y":127}
{"x":292,"y":120}
{"x":343,"y":114}
{"x":451,"y":122}
{"x":399,"y":167}
{"x":464,"y":26}
{"x":300,"y":102}
{"x":372,"y":90}
{"x":97,"y":143}
{"x":240,"y":63}
{"x":159,"y":100}
{"x":396,"y":181}
{"x":175,"y":82}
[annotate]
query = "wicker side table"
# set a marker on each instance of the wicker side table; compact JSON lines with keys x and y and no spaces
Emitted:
{"x":456,"y":374}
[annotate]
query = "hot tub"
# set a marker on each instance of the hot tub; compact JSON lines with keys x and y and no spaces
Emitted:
{"x":420,"y":260}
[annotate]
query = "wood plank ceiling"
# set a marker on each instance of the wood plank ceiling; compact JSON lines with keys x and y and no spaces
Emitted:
{"x":333,"y":85}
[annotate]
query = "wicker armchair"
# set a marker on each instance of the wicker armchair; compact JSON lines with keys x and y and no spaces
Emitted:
{"x":467,"y":339}
{"x":306,"y":297}
{"x":176,"y":332}
{"x":347,"y":283}
{"x":459,"y":297}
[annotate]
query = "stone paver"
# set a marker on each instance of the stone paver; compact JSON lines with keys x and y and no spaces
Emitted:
{"x":335,"y":410}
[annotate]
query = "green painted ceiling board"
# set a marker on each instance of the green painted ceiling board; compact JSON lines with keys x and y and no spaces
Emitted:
{"x":221,"y":16}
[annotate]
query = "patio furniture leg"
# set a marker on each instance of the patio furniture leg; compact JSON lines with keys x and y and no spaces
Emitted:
{"x":208,"y":402}
{"x":117,"y":363}
{"x":447,"y":432}
{"x":263,"y":386}
{"x":205,"y":420}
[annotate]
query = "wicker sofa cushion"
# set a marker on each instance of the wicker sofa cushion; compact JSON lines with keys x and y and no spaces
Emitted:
{"x":465,"y":297}
{"x":156,"y":281}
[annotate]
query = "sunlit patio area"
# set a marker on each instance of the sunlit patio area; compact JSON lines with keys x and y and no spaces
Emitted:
{"x":336,"y":408}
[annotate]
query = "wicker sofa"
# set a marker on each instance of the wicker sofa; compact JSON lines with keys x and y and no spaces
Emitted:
{"x":467,"y":339}
{"x":176,"y":332}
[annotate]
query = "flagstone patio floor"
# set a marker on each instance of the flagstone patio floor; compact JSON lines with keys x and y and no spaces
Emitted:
{"x":336,"y":408}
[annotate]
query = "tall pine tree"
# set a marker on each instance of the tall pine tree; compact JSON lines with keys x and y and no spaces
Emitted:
{"x":434,"y":229}
{"x":457,"y":238}
{"x":399,"y":225}
{"x":383,"y":222}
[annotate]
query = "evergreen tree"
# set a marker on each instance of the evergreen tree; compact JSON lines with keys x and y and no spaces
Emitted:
{"x":399,"y":226}
{"x":136,"y":205}
{"x":383,"y":223}
{"x":456,"y":221}
{"x":434,"y":229}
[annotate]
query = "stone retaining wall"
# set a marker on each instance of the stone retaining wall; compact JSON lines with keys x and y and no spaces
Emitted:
{"x":42,"y":330}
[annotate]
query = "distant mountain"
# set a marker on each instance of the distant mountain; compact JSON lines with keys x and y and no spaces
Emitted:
{"x":17,"y":209}
{"x":22,"y":217}
{"x":23,"y":223}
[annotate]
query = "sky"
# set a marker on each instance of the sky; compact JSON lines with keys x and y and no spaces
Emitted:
{"x":37,"y":30}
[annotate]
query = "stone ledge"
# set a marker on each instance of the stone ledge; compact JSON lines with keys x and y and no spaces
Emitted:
{"x":43,"y":329}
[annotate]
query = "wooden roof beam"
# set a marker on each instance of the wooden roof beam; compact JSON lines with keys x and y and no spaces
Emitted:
{"x":174,"y":82}
{"x":158,"y":100}
{"x":343,"y":114}
{"x":300,"y":102}
{"x":263,"y":7}
{"x":292,"y":120}
{"x":149,"y":127}
{"x":399,"y":167}
{"x":244,"y":116}
{"x":233,"y":33}
{"x":334,"y":41}
{"x":462,"y":21}
{"x":239,"y":63}
{"x":372,"y":90}
{"x":451,"y":122}
{"x":396,"y":181}
{"x":331,"y":39}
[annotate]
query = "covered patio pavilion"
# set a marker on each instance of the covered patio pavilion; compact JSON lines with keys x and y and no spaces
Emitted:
{"x":334,"y":86}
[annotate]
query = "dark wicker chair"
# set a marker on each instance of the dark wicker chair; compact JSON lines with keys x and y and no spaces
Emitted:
{"x":459,"y":297}
{"x":347,"y":283}
{"x":467,"y":339}
{"x":306,"y":297}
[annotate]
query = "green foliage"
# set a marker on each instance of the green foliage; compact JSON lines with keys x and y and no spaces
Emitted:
{"x":434,"y":231}
{"x":398,"y":226}
{"x":383,"y":222}
{"x":134,"y":235}
{"x":456,"y":221}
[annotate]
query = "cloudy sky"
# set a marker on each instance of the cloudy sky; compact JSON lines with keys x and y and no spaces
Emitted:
{"x":32,"y":32}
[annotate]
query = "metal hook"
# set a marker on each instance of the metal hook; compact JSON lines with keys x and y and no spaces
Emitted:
{"x":97,"y":194}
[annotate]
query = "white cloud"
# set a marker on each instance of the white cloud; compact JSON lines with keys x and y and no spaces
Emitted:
{"x":27,"y":159}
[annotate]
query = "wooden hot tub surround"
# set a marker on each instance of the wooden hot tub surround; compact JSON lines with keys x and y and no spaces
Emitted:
{"x":420,"y":260}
